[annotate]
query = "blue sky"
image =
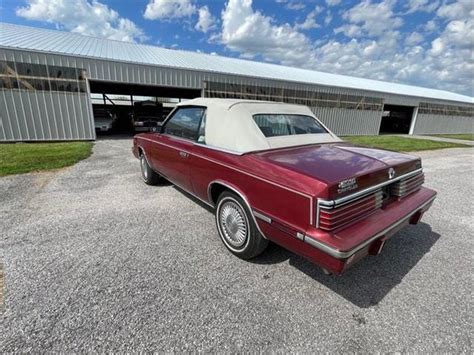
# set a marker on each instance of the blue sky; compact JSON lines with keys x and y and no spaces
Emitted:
{"x":419,"y":42}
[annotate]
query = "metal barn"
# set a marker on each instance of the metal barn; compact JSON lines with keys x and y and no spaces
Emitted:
{"x":47,"y":77}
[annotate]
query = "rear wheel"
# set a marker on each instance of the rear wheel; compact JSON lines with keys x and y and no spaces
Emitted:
{"x":237,"y":228}
{"x":148,"y":174}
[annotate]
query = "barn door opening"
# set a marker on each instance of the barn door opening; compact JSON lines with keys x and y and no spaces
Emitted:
{"x":124,"y":108}
{"x":396,"y":119}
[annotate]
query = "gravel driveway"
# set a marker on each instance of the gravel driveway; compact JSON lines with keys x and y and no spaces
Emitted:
{"x":94,"y":259}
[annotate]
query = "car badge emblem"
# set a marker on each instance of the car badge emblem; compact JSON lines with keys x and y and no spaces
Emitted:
{"x":347,"y":185}
{"x":391,"y":173}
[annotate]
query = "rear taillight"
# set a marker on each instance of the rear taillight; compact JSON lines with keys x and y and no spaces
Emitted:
{"x":336,"y":216}
{"x":406,"y":186}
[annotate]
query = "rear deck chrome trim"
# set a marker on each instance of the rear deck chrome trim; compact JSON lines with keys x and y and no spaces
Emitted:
{"x":336,"y":253}
{"x":348,"y":198}
{"x":322,"y":203}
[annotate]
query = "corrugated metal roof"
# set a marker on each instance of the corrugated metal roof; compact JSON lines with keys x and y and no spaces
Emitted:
{"x":59,"y":42}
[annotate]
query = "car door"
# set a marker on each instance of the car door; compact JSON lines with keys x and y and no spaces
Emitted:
{"x":172,"y":152}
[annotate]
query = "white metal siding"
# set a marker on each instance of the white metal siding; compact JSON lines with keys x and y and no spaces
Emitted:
{"x":42,"y":115}
{"x":349,"y":122}
{"x":28,"y":116}
{"x":439,"y":124}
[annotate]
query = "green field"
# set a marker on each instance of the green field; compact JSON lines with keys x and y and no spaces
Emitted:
{"x":26,"y":157}
{"x":400,"y":144}
{"x":466,"y":136}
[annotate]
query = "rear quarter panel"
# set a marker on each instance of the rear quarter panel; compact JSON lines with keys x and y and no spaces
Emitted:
{"x":279,"y":202}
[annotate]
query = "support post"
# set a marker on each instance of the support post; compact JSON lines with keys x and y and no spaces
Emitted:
{"x":413,"y":121}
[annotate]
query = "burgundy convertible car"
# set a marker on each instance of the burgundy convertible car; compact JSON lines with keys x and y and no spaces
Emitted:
{"x":273,"y":171}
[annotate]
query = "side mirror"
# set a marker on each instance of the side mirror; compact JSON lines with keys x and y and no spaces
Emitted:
{"x":158,"y":128}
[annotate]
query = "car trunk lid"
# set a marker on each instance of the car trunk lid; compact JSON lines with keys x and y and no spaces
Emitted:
{"x":344,"y":168}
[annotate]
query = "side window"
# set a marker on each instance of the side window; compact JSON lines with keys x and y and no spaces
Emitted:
{"x":185,"y":122}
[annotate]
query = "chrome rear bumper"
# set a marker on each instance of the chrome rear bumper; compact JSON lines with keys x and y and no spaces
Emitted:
{"x":338,"y":254}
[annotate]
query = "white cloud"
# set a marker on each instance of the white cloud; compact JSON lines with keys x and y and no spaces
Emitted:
{"x":458,"y":32}
{"x":292,"y":4}
{"x":447,"y":64}
{"x":374,"y":47}
{"x":328,"y":18}
{"x":430,"y":26}
{"x":169,"y":9}
{"x":333,"y":2}
{"x":373,"y":19}
{"x":421,"y":5}
{"x":450,"y":54}
{"x":310,"y":21}
{"x":206,"y":21}
{"x":413,"y":39}
{"x":295,"y":6}
{"x":251,"y":33}
{"x":349,"y":30}
{"x":82,"y":16}
{"x":461,"y":9}
{"x":437,"y":47}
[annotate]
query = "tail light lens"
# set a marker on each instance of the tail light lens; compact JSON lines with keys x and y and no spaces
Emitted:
{"x":331,"y":218}
{"x":406,"y":186}
{"x":335,"y":214}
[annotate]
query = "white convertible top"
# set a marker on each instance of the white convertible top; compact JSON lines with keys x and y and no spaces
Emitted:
{"x":230,"y":125}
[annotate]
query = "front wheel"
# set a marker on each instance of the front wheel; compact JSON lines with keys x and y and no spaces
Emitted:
{"x":237,"y":228}
{"x":148,"y":174}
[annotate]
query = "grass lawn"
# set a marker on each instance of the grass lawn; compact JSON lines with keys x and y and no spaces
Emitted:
{"x":400,"y":144}
{"x":466,"y":136}
{"x":26,"y":157}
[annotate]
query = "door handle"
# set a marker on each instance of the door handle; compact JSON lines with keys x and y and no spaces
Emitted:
{"x":183,"y":154}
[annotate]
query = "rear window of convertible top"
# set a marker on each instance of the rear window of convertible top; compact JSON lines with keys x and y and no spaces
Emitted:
{"x":273,"y":125}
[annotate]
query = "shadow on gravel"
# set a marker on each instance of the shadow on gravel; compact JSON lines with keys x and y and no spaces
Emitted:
{"x":192,"y":198}
{"x":370,"y":280}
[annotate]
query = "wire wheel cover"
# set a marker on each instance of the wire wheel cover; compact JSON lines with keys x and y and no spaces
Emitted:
{"x":233,"y":224}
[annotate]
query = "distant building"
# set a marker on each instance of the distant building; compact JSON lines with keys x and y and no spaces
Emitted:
{"x":47,"y":77}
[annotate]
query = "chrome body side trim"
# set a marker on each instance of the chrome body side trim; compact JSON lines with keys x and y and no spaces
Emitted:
{"x":345,"y":254}
{"x":262,"y":216}
{"x":241,"y":195}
